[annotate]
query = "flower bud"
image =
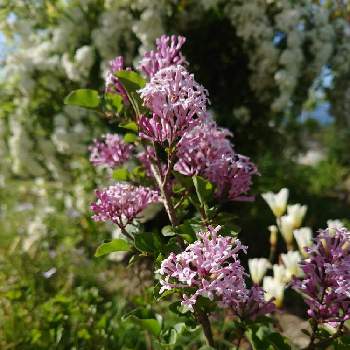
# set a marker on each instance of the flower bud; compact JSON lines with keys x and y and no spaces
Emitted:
{"x":291,"y":261}
{"x":274,"y":289}
{"x":277,"y":201}
{"x":258,"y":268}
{"x":273,"y":235}
{"x":297,"y":213}
{"x":303,"y":236}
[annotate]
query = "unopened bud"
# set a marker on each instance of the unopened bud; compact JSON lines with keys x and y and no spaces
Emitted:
{"x":273,"y":235}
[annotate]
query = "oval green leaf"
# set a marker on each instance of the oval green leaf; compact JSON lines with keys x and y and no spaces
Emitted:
{"x":117,"y":245}
{"x":83,"y":98}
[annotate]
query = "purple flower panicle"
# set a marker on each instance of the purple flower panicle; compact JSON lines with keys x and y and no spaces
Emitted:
{"x":211,"y":266}
{"x":326,"y":281}
{"x":232,"y":176}
{"x":110,"y":151}
{"x":122,"y":203}
{"x":177,"y":103}
{"x":200,"y":147}
{"x":206,"y":151}
{"x":167,"y":53}
{"x":254,"y":305}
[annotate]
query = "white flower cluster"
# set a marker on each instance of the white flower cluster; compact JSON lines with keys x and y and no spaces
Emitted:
{"x":286,"y":41}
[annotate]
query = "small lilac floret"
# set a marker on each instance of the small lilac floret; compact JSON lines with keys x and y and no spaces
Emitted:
{"x":112,"y":83}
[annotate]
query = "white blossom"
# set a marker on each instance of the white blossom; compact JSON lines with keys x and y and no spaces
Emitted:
{"x":273,"y":288}
{"x":258,"y":268}
{"x":303,"y":236}
{"x":297,"y":213}
{"x":291,"y":261}
{"x":277,"y":201}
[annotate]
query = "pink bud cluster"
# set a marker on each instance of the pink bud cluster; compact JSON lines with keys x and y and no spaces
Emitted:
{"x":113,"y":84}
{"x":167,"y":53}
{"x":206,"y":151}
{"x":254,"y":305}
{"x":122,"y":203}
{"x":110,"y":151}
{"x":326,"y":281}
{"x":200,"y":147}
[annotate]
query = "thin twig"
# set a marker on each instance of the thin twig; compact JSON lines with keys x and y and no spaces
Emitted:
{"x":203,"y":319}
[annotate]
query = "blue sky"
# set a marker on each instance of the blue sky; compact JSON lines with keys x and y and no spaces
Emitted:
{"x":2,"y":46}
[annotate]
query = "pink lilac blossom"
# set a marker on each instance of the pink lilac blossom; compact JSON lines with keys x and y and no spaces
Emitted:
{"x":206,"y":151}
{"x":326,"y":282}
{"x":110,"y":151}
{"x":232,"y":176}
{"x":255,"y":305}
{"x":122,"y":203}
{"x":200,"y":147}
{"x":211,"y":266}
{"x":113,"y":85}
{"x":177,"y":103}
{"x":167,"y":53}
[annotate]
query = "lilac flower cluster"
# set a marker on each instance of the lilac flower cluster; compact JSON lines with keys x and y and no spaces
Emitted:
{"x":112,"y":82}
{"x":176,"y":101}
{"x":200,"y":147}
{"x":122,"y":203}
{"x":167,"y":53}
{"x":254,"y":305}
{"x":326,"y":284}
{"x":210,"y":268}
{"x":110,"y":151}
{"x":206,"y":151}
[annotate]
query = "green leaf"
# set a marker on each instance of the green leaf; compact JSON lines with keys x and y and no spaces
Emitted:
{"x":115,"y":101}
{"x":168,"y":231}
{"x":151,"y":325}
{"x":178,"y":309}
{"x":169,"y":337}
{"x":262,"y":337}
{"x":146,"y":319}
{"x":187,"y":232}
{"x":130,"y":126}
{"x":131,"y":80}
{"x":130,"y":137}
{"x":148,"y":242}
{"x":342,"y":343}
{"x":120,"y":174}
{"x":166,"y":293}
{"x":204,"y":189}
{"x":84,"y":98}
{"x":117,"y":245}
